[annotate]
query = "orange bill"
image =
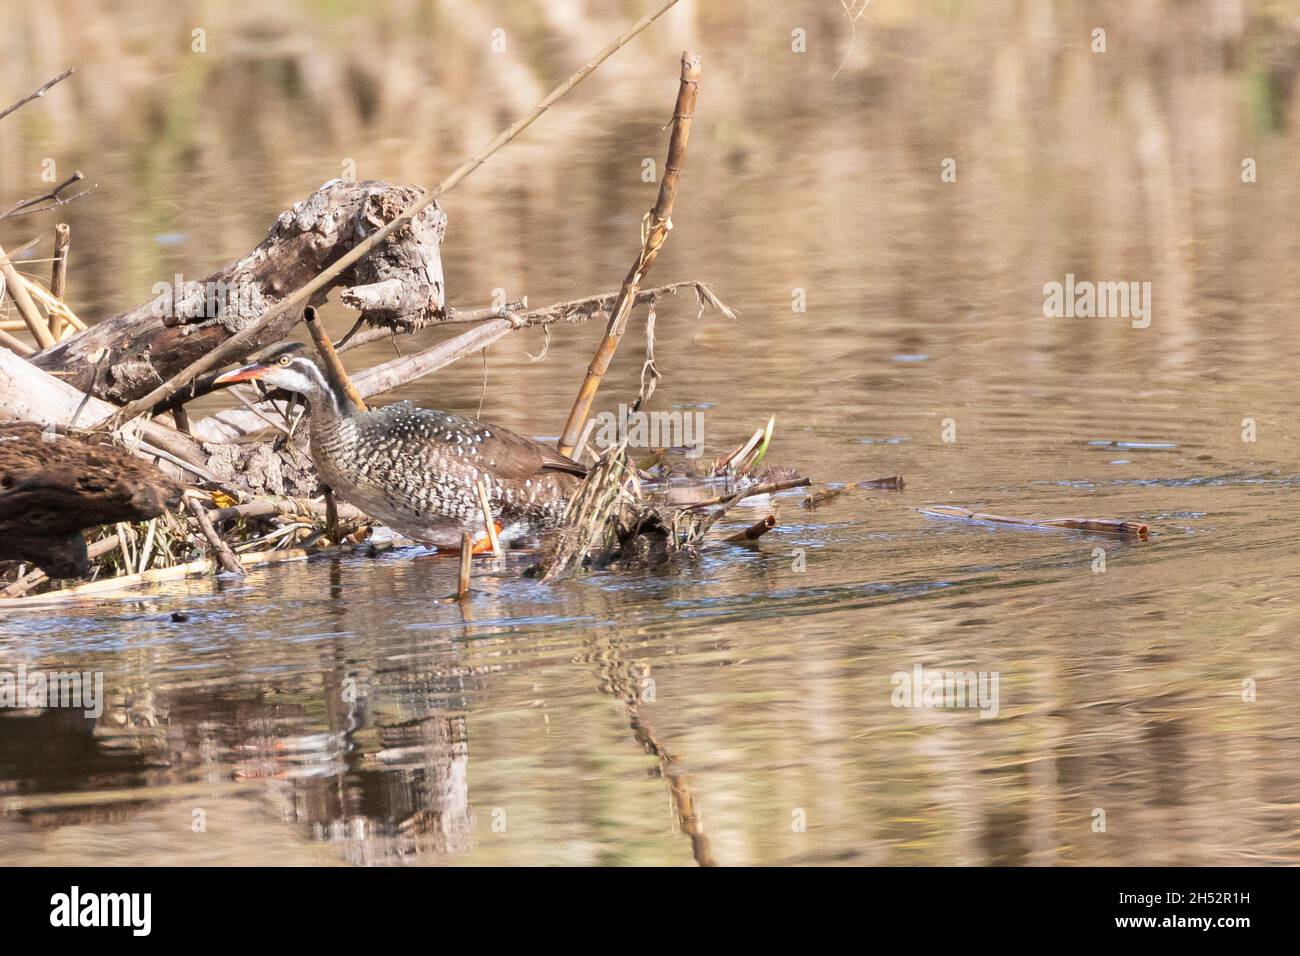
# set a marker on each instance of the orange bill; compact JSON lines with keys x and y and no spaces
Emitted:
{"x":245,"y":374}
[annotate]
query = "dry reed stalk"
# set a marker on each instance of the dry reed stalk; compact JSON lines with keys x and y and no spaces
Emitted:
{"x":17,"y":346}
{"x":591,"y":516}
{"x":55,"y":308}
{"x":331,"y":515}
{"x":286,"y":507}
{"x":23,"y":301}
{"x":762,"y":488}
{"x":251,"y":405}
{"x":747,"y":456}
{"x":146,"y":549}
{"x":234,"y":347}
{"x":489,"y":520}
{"x":23,"y":248}
{"x":330,"y":357}
{"x":654,"y":231}
{"x":1134,"y":529}
{"x":822,"y":495}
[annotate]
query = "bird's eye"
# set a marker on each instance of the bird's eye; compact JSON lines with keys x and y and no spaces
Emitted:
{"x":284,"y":360}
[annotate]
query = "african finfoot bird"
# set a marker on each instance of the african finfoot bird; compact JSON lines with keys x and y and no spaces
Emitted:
{"x":414,"y":468}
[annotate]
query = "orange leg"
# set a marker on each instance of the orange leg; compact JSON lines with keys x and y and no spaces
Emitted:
{"x":482,"y":543}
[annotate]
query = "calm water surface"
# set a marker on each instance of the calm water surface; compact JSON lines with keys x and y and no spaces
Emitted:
{"x":335,"y":712}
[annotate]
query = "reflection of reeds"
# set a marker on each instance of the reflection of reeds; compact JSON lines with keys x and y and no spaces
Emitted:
{"x":619,"y":678}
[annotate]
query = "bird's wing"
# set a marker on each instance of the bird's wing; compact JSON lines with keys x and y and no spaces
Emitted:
{"x":507,"y":454}
{"x":530,"y":456}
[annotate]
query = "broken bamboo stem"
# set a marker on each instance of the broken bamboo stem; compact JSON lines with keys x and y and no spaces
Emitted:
{"x":1134,"y":529}
{"x":59,"y":275}
{"x":330,"y":357}
{"x":466,"y":564}
{"x":654,"y":233}
{"x":233,"y":346}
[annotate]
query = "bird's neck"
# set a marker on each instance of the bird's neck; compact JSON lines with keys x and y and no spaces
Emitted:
{"x":329,"y":398}
{"x":329,"y":402}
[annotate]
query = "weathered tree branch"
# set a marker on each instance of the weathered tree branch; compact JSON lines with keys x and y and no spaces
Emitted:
{"x":28,"y":394}
{"x":240,"y":423}
{"x":45,"y":88}
{"x":143,"y":347}
{"x":25,"y":207}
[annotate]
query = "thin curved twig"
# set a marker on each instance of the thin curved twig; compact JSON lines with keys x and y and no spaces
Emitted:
{"x":39,"y":93}
{"x":27,"y":207}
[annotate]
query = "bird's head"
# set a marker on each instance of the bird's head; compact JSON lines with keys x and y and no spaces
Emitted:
{"x":288,"y":365}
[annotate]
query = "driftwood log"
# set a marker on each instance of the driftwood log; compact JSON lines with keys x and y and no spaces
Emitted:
{"x":398,"y":285}
{"x":29,"y":395}
{"x":53,"y":486}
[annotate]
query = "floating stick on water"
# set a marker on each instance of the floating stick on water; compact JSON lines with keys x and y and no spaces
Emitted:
{"x":754,"y":531}
{"x":1135,"y":529}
